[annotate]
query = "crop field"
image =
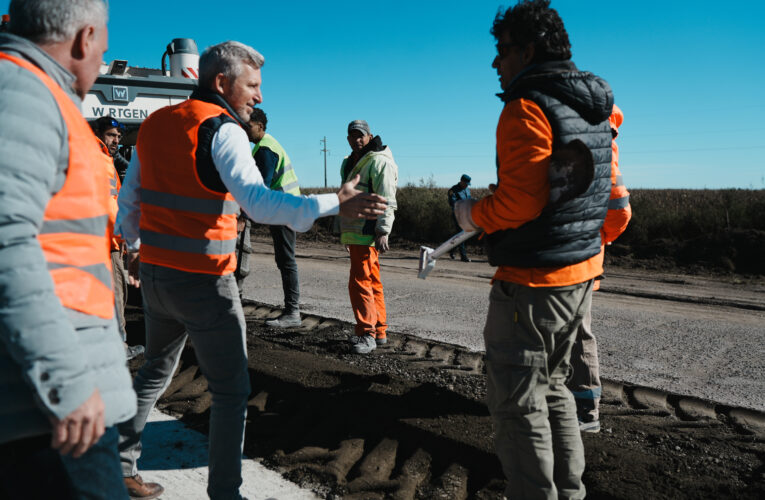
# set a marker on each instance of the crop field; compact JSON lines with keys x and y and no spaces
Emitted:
{"x":721,"y":231}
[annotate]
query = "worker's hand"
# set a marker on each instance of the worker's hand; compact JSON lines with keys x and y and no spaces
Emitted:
{"x":347,"y":249}
{"x":81,"y":429}
{"x":381,"y":243}
{"x":133,"y":264}
{"x":492,"y":188}
{"x":355,"y":204}
{"x":462,"y":213}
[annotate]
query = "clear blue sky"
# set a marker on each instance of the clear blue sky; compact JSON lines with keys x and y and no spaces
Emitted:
{"x":689,"y":77}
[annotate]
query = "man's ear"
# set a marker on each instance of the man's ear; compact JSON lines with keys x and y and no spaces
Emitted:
{"x":528,"y":54}
{"x":220,"y":83}
{"x":83,"y":42}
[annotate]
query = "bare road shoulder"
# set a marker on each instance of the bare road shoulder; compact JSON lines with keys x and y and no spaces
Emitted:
{"x":690,"y":335}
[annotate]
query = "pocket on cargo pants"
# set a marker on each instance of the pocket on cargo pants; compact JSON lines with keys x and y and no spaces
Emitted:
{"x":515,"y":356}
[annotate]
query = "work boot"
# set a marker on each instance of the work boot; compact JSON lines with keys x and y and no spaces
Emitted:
{"x":138,"y":489}
{"x":591,"y":427}
{"x":133,"y":351}
{"x":363,"y":344}
{"x":286,"y":320}
{"x":381,"y":340}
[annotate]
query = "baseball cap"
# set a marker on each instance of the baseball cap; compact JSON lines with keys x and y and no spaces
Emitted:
{"x":466,"y":178}
{"x":360,"y":125}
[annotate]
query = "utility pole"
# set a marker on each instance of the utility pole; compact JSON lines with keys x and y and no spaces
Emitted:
{"x":325,"y":151}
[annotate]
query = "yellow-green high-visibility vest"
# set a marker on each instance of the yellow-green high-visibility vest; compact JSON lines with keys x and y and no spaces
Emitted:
{"x":284,"y":179}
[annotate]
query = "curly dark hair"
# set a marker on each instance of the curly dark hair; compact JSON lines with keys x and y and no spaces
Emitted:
{"x":533,"y":21}
{"x":259,"y":116}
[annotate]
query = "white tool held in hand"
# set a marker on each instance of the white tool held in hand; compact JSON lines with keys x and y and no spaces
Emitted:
{"x":428,"y":256}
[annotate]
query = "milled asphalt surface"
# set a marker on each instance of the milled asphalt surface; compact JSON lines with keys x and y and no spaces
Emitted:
{"x":687,"y":335}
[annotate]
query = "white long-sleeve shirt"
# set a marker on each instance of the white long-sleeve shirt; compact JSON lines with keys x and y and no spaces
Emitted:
{"x":236,"y":167}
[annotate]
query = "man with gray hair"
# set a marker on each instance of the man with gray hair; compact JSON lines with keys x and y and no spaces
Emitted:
{"x":191,"y":171}
{"x":63,"y":378}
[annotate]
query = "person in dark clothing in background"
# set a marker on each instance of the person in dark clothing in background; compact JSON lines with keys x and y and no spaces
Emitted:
{"x":278,"y":175}
{"x":110,"y":131}
{"x":460,"y":191}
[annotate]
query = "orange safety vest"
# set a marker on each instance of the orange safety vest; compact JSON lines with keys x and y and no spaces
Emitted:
{"x":184,"y":225}
{"x":73,"y":233}
{"x":114,"y":185}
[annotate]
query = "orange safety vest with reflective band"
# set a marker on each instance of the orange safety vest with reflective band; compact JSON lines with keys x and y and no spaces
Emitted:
{"x":73,"y":233}
{"x":184,"y":225}
{"x":114,"y":191}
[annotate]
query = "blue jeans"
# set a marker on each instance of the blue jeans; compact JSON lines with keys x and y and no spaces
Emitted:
{"x":30,"y":469}
{"x":178,"y":305}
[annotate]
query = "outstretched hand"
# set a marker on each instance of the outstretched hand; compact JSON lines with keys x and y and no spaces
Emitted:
{"x":357,"y":204}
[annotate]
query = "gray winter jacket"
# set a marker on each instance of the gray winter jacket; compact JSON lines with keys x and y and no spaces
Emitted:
{"x":51,"y":358}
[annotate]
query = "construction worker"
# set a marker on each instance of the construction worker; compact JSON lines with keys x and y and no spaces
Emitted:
{"x":460,"y":191}
{"x":365,"y":240}
{"x":585,"y":377}
{"x":109,"y":133}
{"x":63,"y":375}
{"x":546,"y":242}
{"x":278,"y":174}
{"x":190,"y":173}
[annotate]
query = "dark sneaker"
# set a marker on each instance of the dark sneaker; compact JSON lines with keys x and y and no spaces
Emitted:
{"x":290,"y":320}
{"x":138,"y":489}
{"x":592,"y":427}
{"x":133,"y":351}
{"x":363,"y":344}
{"x":465,"y":259}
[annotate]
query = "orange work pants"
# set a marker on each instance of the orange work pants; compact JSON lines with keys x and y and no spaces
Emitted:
{"x":366,"y":291}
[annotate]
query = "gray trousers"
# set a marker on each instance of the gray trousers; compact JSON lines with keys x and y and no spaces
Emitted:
{"x":120,"y":291}
{"x":528,"y":335}
{"x":585,"y":380}
{"x":206,"y":308}
{"x":284,"y":255}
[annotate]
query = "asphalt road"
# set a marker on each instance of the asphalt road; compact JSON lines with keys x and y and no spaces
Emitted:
{"x":688,"y":335}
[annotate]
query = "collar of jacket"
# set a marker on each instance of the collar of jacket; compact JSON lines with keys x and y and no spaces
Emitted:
{"x":374,"y":145}
{"x":587,"y":94}
{"x":536,"y":72}
{"x":21,"y":47}
{"x":207,"y":95}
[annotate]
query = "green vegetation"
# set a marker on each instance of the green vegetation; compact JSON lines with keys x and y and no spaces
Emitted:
{"x":720,"y":230}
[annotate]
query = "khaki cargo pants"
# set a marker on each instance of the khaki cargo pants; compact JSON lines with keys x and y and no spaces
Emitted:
{"x":528,"y":335}
{"x":585,"y":380}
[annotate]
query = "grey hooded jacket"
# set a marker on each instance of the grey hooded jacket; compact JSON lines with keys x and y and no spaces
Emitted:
{"x":51,"y":358}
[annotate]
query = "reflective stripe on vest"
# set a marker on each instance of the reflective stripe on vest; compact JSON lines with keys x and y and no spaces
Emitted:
{"x":184,"y":225}
{"x":189,"y":204}
{"x":73,"y":236}
{"x":284,"y":179}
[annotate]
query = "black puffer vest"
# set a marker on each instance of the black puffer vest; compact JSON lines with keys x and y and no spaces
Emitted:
{"x":577,"y":105}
